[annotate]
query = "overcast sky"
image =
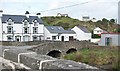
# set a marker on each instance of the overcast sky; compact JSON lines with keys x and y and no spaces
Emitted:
{"x":96,"y":8}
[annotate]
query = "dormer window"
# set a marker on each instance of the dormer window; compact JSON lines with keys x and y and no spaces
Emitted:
{"x":35,"y":23}
{"x":25,"y":23}
{"x":10,"y":22}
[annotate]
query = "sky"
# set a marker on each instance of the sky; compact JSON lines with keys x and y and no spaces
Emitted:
{"x":94,"y":8}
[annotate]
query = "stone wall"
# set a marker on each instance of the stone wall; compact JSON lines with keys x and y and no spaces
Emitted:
{"x":38,"y":62}
{"x":62,"y":47}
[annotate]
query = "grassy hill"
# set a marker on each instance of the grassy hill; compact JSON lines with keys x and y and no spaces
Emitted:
{"x":68,"y":22}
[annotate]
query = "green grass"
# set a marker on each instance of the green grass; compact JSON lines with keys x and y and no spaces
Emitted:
{"x":99,"y":57}
{"x":53,"y":20}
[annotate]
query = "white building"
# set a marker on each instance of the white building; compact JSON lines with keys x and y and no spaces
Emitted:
{"x":85,"y":18}
{"x":93,"y":19}
{"x":109,"y":39}
{"x":82,"y":33}
{"x":21,"y":28}
{"x":57,"y":33}
{"x":97,"y":30}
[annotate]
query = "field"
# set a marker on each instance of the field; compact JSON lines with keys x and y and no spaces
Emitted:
{"x":101,"y":57}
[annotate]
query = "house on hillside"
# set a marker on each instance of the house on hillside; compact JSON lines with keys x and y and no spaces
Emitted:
{"x":93,"y":19}
{"x":62,"y":15}
{"x":97,"y":34}
{"x":85,"y":18}
{"x":109,"y":39}
{"x":82,"y":33}
{"x":57,"y":33}
{"x":21,"y":28}
{"x":98,"y":31}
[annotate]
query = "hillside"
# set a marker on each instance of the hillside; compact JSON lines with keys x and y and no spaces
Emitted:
{"x":68,"y":22}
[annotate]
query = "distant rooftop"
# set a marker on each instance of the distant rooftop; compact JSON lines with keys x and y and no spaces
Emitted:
{"x":20,"y":18}
{"x":84,"y":29}
{"x":59,"y":29}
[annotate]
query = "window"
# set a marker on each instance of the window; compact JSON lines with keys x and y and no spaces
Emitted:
{"x":9,"y":38}
{"x":26,"y":23}
{"x":35,"y":23}
{"x":26,"y":38}
{"x":9,"y":29}
{"x":53,"y":37}
{"x":48,"y":37}
{"x":10,"y":22}
{"x":26,"y":30}
{"x":35,"y":30}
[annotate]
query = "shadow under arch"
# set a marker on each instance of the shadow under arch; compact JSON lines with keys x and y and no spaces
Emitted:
{"x":54,"y":53}
{"x":71,"y":50}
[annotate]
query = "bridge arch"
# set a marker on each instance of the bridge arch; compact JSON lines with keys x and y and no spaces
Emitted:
{"x":54,"y":53}
{"x":71,"y":50}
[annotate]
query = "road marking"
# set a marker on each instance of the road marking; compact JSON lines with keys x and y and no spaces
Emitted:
{"x":23,"y":54}
{"x":4,"y":52}
{"x":41,"y":62}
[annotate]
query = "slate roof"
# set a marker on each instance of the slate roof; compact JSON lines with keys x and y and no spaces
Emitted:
{"x":84,"y":29}
{"x":59,"y":29}
{"x":20,"y":18}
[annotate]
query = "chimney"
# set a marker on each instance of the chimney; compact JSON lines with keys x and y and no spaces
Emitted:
{"x":1,"y":11}
{"x":38,"y":14}
{"x":27,"y":14}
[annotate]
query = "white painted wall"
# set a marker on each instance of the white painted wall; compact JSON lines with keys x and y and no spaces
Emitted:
{"x":66,"y":36}
{"x":115,"y":39}
{"x":0,"y":28}
{"x":95,"y":40}
{"x":80,"y":35}
{"x":19,"y":31}
{"x":97,"y":31}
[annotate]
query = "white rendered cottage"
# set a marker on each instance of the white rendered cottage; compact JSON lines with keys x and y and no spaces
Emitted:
{"x":21,"y":28}
{"x":97,"y":30}
{"x":109,"y":39}
{"x":57,"y":33}
{"x":82,"y":33}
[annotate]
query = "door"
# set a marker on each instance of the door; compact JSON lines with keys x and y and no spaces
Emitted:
{"x":108,"y":41}
{"x":62,"y":38}
{"x":18,"y":38}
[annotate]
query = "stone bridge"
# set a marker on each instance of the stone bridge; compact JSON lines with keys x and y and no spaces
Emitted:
{"x":59,"y":49}
{"x":38,"y":59}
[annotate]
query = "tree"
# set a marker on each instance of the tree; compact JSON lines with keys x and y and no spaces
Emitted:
{"x":112,"y":20}
{"x":104,"y":20}
{"x":99,"y":22}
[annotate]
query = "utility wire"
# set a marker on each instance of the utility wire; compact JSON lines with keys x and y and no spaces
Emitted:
{"x":69,"y":6}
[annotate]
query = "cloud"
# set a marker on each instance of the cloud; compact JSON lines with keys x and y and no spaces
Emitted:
{"x":98,"y":9}
{"x":54,"y":5}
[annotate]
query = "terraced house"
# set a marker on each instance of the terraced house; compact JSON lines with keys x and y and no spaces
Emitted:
{"x":20,"y":28}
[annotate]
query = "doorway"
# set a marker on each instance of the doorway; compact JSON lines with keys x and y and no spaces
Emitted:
{"x":18,"y":38}
{"x":62,"y":38}
{"x":108,"y":41}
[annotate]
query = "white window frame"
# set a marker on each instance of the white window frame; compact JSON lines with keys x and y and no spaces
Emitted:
{"x":35,"y":31}
{"x":26,"y":31}
{"x":9,"y":31}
